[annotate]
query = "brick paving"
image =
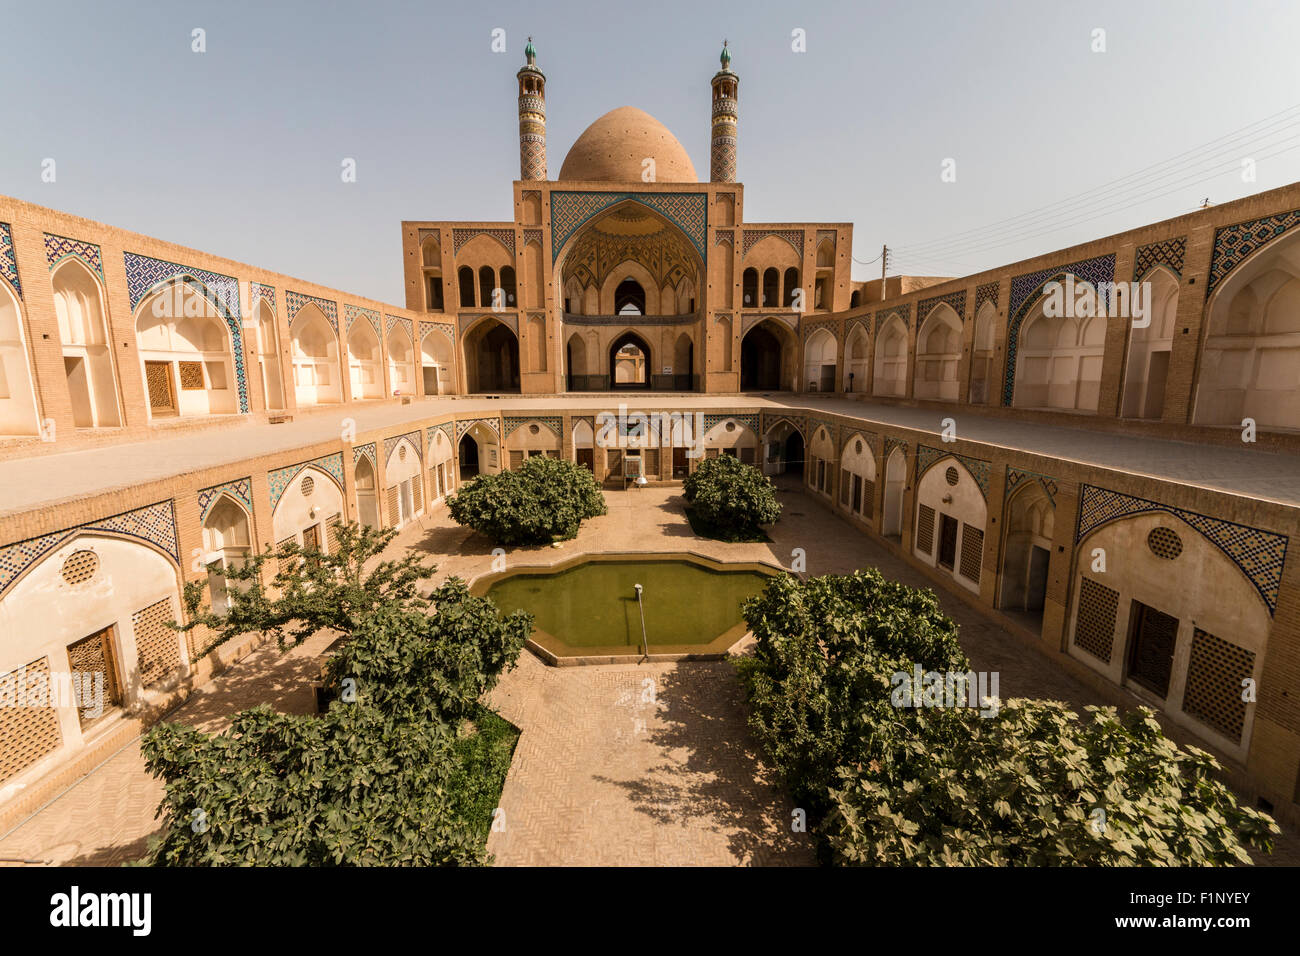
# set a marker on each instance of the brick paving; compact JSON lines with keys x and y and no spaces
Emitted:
{"x":609,"y":769}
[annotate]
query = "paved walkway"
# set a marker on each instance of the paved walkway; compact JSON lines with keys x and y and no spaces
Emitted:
{"x":609,"y":769}
{"x":48,"y":480}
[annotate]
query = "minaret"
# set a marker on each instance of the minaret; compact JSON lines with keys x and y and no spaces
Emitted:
{"x":532,"y":117}
{"x":726,"y":112}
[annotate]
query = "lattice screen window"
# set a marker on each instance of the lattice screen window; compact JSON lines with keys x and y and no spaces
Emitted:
{"x":417,"y":493}
{"x":27,"y":733}
{"x":972,"y":552}
{"x":516,"y":460}
{"x":159,"y":377}
{"x":846,"y":486}
{"x":650,"y":457}
{"x":394,"y":513}
{"x":868,"y":497}
{"x":80,"y":567}
{"x":1215,"y":671}
{"x":156,"y":644}
{"x":191,"y":374}
{"x":284,"y":563}
{"x":332,"y":525}
{"x":925,"y":529}
{"x":1094,"y":627}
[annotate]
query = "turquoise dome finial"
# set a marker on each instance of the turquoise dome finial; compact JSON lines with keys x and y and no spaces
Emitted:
{"x":530,"y":52}
{"x":726,"y":56}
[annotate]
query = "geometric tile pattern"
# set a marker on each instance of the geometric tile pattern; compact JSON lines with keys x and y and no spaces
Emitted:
{"x":810,"y":327}
{"x":1023,"y":288}
{"x":1016,"y":475}
{"x":404,"y":323}
{"x":870,"y":438}
{"x":1169,"y":253}
{"x":281,"y":478}
{"x":448,"y":429}
{"x":892,"y":443}
{"x":552,"y":422}
{"x":979,"y":470}
{"x":352,"y":312}
{"x":504,"y":236}
{"x":391,"y":443}
{"x":771,"y":419}
{"x":8,"y":261}
{"x":755,"y":236}
{"x":1233,"y":244}
{"x":465,"y":425}
{"x":257,"y":290}
{"x":241,"y":489}
{"x":447,"y":330}
{"x":749,"y":421}
{"x":294,"y":301}
{"x":145,"y":274}
{"x":532,"y":235}
{"x":988,"y":292}
{"x":1259,"y":554}
{"x":154,"y":523}
{"x":955,"y":300}
{"x":569,"y":210}
{"x":367,"y":451}
{"x":58,"y":248}
{"x":904,"y":313}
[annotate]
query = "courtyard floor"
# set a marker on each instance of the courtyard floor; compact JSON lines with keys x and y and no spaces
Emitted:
{"x":616,"y":765}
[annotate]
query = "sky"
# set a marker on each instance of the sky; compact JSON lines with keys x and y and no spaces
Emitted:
{"x":964,"y":135}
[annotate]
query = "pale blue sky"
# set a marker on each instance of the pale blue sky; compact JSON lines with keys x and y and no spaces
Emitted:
{"x":237,"y":151}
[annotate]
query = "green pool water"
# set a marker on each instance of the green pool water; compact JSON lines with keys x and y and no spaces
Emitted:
{"x":591,"y":608}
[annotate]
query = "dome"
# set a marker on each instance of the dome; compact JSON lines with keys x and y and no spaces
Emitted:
{"x":611,"y":149}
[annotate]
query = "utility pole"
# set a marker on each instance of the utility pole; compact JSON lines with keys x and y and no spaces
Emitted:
{"x":884,"y":264}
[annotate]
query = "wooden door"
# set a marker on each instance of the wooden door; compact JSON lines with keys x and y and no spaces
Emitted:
{"x":947,"y":541}
{"x":89,"y":657}
{"x":1151,"y":648}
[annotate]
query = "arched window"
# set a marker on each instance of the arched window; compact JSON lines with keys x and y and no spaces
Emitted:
{"x":791,"y":284}
{"x":487,"y":282}
{"x":771,"y":288}
{"x":508,"y":286}
{"x":465,"y":279}
{"x":749,"y":288}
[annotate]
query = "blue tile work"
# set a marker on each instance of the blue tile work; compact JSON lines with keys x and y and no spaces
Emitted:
{"x":281,"y":478}
{"x":979,"y":469}
{"x":988,"y":292}
{"x":551,"y":421}
{"x":294,"y":301}
{"x":749,"y":421}
{"x":353,"y":312}
{"x":241,"y":489}
{"x":8,"y":260}
{"x":858,"y":323}
{"x":1259,"y":554}
{"x":811,"y":327}
{"x":364,"y":451}
{"x":904,"y":313}
{"x":1023,"y":295}
{"x":448,"y":429}
{"x":892,"y":443}
{"x":504,"y":236}
{"x":58,"y":248}
{"x":445,"y":329}
{"x":955,"y":300}
{"x":144,"y":275}
{"x":390,"y":444}
{"x":570,"y":210}
{"x":1169,"y":253}
{"x":869,"y":437}
{"x":770,"y":420}
{"x":155,"y":524}
{"x":465,"y":425}
{"x":753,"y":237}
{"x":1234,"y":244}
{"x":1015,"y":477}
{"x":404,"y":323}
{"x":256,"y":290}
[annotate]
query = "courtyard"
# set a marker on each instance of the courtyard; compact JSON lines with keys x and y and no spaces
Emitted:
{"x":632,"y":765}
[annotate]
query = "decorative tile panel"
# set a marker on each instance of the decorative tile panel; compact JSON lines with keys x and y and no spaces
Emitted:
{"x":571,"y":210}
{"x":1016,"y":476}
{"x":144,"y":275}
{"x":724,"y":235}
{"x":1024,"y":291}
{"x":1234,"y":244}
{"x":904,"y":313}
{"x":459,"y":237}
{"x":770,"y":420}
{"x":749,"y":421}
{"x":550,"y":421}
{"x":463,"y":426}
{"x":365,"y":451}
{"x":353,"y":312}
{"x":294,"y":301}
{"x":281,"y":478}
{"x":257,"y":290}
{"x":1259,"y":554}
{"x":391,"y":443}
{"x":532,"y":236}
{"x":979,"y":469}
{"x":810,"y":327}
{"x":754,"y":236}
{"x":403,"y":322}
{"x":954,"y":300}
{"x":892,"y":443}
{"x":447,"y":330}
{"x":988,"y":292}
{"x":58,"y":248}
{"x":241,"y":490}
{"x":155,"y":524}
{"x":1169,"y":253}
{"x":8,"y":260}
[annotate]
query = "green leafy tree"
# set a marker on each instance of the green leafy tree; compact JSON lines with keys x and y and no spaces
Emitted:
{"x":404,"y":767}
{"x":545,"y":500}
{"x":1020,"y":784}
{"x":731,"y":497}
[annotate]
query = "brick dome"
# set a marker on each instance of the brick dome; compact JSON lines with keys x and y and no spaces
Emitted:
{"x":611,"y":150}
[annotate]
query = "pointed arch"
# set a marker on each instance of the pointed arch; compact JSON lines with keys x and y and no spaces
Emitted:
{"x":365,"y":368}
{"x":938,"y":354}
{"x":187,"y":357}
{"x":981,"y":368}
{"x":820,"y":361}
{"x":401,"y":360}
{"x":890,"y":376}
{"x":88,"y":363}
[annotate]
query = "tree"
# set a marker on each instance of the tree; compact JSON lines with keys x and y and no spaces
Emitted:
{"x":1020,"y":782}
{"x":730,"y":497}
{"x":545,"y":500}
{"x":405,"y":766}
